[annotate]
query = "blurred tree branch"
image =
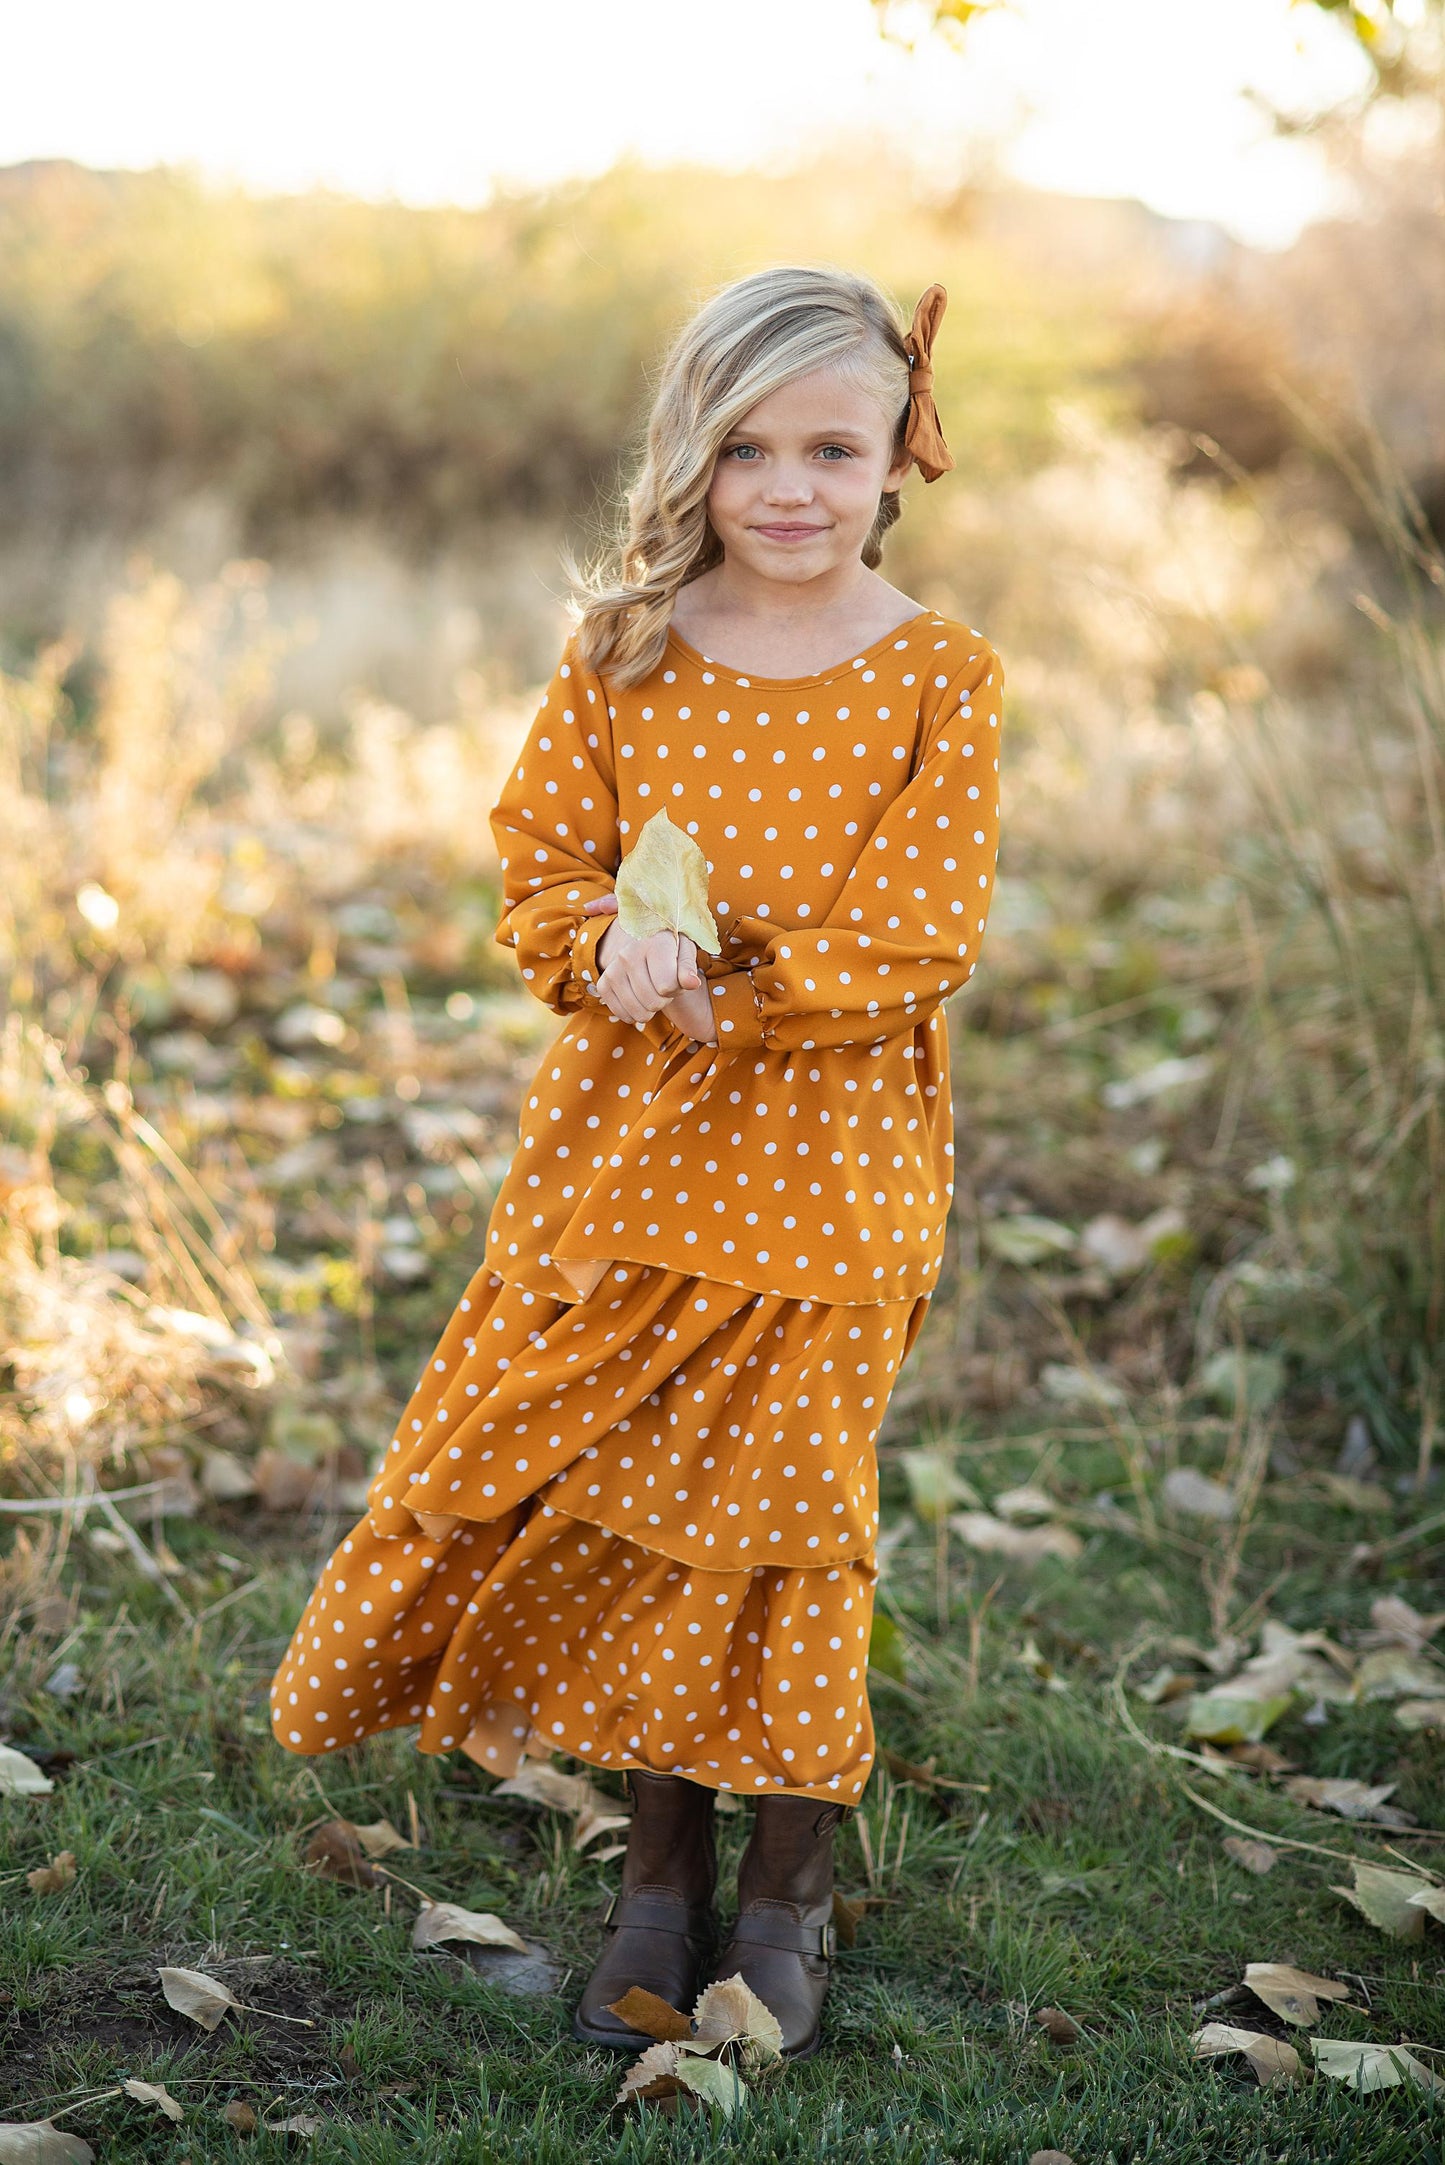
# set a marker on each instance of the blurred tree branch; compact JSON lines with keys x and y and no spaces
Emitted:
{"x":1399,"y":38}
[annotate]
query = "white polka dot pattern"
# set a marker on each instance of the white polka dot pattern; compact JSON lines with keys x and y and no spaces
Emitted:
{"x":850,"y":825}
{"x":639,"y":1531}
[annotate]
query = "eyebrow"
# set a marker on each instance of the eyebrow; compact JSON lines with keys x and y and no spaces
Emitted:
{"x":823,"y":435}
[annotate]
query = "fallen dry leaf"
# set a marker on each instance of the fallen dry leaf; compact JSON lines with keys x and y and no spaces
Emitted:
{"x":1371,"y":2067}
{"x":1256,"y":1857}
{"x":539,"y":1782}
{"x":1124,"y":1249}
{"x":652,"y":2074}
{"x":52,"y":1878}
{"x":40,"y":2142}
{"x":1421,"y":1714}
{"x":1273,"y":2059}
{"x":731,"y":2030}
{"x":1301,"y":1661}
{"x":202,"y":1999}
{"x":1397,"y":1624}
{"x":335,"y":1852}
{"x":1387,"y":1899}
{"x":1025,"y":1240}
{"x":1293,"y":1994}
{"x":224,"y":1477}
{"x":588,"y":1827}
{"x":661,"y":886}
{"x":730,"y":2009}
{"x":154,"y":2093}
{"x":1262,"y":1757}
{"x":1024,"y":1503}
{"x":379,"y":1839}
{"x":1050,"y":2157}
{"x":652,"y":2015}
{"x":306,"y":2124}
{"x":1351,"y":1799}
{"x":439,"y":1921}
{"x":240,"y":2116}
{"x":715,"y":2080}
{"x":1021,"y":1544}
{"x":1061,"y":2028}
{"x":21,"y":1777}
{"x":1394,"y":1672}
{"x":1185,"y":1489}
{"x":1230,"y":1716}
{"x":848,"y":1914}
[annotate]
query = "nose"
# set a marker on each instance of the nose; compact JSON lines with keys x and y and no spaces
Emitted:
{"x":787,"y":486}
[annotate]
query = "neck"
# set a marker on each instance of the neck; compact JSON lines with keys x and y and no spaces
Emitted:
{"x":738,"y":591}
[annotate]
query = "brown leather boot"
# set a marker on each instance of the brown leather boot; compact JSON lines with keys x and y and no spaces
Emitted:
{"x":660,"y":1925}
{"x":782,"y":1944}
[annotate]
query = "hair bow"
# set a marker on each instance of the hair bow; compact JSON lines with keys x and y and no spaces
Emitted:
{"x":924,"y":437}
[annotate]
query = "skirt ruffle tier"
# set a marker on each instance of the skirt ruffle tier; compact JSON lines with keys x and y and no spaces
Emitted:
{"x":638,"y":1529}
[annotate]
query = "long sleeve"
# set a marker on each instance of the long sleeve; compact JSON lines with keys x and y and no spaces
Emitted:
{"x":556,"y":830}
{"x":906,"y":929}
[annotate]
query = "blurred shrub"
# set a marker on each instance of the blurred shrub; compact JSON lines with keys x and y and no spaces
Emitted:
{"x":435,"y":368}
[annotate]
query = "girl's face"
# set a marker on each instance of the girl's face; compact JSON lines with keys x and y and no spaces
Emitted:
{"x":796,"y":485}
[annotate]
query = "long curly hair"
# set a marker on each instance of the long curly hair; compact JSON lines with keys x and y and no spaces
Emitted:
{"x":748,"y":340}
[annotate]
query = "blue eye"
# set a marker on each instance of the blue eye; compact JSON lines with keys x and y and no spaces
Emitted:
{"x":841,"y":449}
{"x":734,"y":449}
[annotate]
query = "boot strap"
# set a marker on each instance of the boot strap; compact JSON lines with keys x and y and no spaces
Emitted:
{"x":773,"y":1928}
{"x":649,"y":1911}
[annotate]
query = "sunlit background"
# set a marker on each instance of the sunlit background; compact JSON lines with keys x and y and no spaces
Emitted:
{"x":1146,"y":98}
{"x":323,"y":329}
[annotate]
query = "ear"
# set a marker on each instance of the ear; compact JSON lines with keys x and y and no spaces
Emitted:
{"x":898,"y":472}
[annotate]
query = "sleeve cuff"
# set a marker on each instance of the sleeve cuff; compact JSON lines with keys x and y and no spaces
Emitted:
{"x":737,"y":1012}
{"x":586,"y":969}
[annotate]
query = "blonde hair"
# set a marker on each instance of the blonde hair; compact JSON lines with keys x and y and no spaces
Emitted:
{"x":747,"y":341}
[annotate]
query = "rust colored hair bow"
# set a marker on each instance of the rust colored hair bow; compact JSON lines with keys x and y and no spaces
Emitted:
{"x":924,"y":437}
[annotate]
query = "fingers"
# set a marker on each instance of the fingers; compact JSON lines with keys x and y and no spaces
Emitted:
{"x":641,"y":976}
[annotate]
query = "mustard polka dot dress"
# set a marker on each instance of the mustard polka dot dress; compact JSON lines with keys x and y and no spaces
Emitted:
{"x":630,"y":1510}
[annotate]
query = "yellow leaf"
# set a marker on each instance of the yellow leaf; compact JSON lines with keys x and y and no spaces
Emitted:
{"x":652,"y":2015}
{"x":661,"y":886}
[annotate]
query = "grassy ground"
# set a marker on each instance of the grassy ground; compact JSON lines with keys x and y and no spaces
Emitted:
{"x":259,"y":1075}
{"x":1083,"y":1877}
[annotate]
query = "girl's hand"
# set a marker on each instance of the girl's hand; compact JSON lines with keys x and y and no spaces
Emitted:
{"x":658,"y":975}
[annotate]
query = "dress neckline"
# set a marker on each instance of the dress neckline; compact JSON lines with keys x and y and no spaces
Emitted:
{"x":730,"y":675}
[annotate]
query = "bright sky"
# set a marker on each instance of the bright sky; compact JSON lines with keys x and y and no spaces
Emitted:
{"x":437,"y":100}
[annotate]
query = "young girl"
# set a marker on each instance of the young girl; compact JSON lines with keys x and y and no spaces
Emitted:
{"x":630,"y":1511}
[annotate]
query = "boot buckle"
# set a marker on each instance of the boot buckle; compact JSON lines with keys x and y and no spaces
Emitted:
{"x":828,"y":1940}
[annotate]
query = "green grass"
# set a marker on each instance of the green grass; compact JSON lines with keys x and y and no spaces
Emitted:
{"x":1083,"y":1878}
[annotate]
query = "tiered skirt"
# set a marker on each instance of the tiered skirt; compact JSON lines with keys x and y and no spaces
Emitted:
{"x":638,"y":1529}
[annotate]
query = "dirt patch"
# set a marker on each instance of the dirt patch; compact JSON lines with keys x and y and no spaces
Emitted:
{"x":120,"y":2011}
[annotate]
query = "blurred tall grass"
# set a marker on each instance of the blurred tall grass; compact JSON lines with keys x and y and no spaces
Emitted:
{"x":1214,"y":975}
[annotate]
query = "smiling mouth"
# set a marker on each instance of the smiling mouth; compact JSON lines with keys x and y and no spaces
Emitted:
{"x":782,"y":530}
